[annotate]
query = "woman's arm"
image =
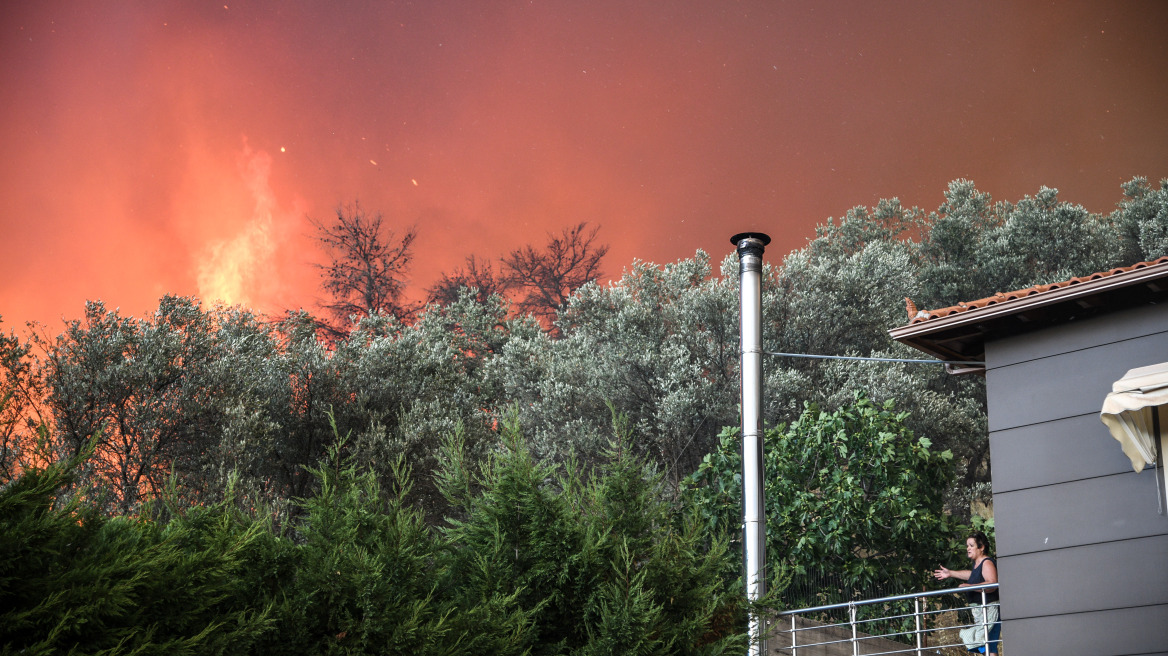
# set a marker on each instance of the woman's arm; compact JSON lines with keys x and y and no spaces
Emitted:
{"x":989,"y":571}
{"x":963,"y":574}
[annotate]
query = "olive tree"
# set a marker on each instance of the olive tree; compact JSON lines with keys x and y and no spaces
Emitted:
{"x":851,"y":492}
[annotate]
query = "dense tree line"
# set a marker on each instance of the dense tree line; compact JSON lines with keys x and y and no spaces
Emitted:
{"x":201,"y":392}
{"x":841,"y":294}
{"x":192,"y":397}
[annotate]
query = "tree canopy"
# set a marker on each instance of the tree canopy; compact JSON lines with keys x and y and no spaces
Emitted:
{"x":190,"y":397}
{"x":852,"y":503}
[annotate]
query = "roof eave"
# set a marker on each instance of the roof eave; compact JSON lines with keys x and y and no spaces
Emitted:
{"x":917,"y":335}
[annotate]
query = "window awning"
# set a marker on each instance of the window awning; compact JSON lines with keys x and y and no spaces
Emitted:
{"x":1128,"y":412}
{"x":1136,"y":412}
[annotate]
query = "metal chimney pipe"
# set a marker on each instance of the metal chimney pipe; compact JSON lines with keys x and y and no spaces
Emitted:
{"x":750,"y":247}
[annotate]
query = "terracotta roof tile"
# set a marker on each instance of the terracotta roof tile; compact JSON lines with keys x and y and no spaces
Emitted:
{"x":1001,"y":297}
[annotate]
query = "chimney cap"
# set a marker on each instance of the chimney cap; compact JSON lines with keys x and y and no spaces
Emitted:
{"x":761,"y":236}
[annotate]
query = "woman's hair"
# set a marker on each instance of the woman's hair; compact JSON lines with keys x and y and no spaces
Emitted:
{"x":981,"y":541}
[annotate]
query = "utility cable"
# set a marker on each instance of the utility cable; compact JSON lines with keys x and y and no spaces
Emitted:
{"x":856,"y":357}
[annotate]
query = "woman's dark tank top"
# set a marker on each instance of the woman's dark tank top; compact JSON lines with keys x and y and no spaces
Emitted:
{"x":975,"y":578}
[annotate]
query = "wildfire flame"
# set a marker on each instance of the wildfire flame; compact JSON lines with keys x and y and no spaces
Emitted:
{"x":233,"y":271}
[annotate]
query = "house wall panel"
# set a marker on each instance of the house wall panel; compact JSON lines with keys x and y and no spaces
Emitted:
{"x":1078,"y":335}
{"x":1089,"y":511}
{"x":1066,"y":449}
{"x":1066,"y":385}
{"x":1124,"y":574}
{"x":1122,"y":632}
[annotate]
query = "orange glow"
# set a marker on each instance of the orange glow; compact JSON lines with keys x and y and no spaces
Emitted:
{"x":237,"y":270}
{"x":139,"y":139}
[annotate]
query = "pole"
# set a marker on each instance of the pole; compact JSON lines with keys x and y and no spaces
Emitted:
{"x":985,"y":623}
{"x":917,"y":619}
{"x":1161,"y":473}
{"x":750,"y":247}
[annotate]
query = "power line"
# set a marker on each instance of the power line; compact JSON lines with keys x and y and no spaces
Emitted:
{"x":856,"y":357}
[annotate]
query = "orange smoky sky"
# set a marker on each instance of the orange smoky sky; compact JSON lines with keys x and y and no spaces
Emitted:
{"x":180,"y":146}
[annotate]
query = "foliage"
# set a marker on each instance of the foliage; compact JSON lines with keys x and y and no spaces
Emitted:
{"x":22,"y":390}
{"x":852,"y":492}
{"x":366,"y":582}
{"x":543,"y":563}
{"x":213,"y":439}
{"x":841,"y":294}
{"x":602,"y":563}
{"x":368,"y":264}
{"x":198,"y":393}
{"x":658,"y":345}
{"x":974,"y":247}
{"x":153,"y":389}
{"x":411,"y":386}
{"x":1142,"y":219}
{"x":73,"y":580}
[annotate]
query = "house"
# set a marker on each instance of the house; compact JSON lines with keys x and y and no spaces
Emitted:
{"x":1082,"y":538}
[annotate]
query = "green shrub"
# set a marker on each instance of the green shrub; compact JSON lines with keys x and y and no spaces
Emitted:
{"x":854,"y":504}
{"x":602,"y":562}
{"x":75,"y":581}
{"x":540,"y":561}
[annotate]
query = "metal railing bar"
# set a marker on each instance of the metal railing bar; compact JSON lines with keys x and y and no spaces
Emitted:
{"x":852,"y":617}
{"x":943,"y":610}
{"x":905,"y":632}
{"x":881,"y":600}
{"x":886,"y":617}
{"x":956,"y":626}
{"x":820,"y":627}
{"x":907,"y":649}
{"x":873,"y":636}
{"x":820,"y":644}
{"x":917,"y":619}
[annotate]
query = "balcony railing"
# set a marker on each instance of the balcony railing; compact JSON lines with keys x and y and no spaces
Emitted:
{"x":871,"y":635}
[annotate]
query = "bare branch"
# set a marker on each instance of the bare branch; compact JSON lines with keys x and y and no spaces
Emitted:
{"x":478,"y":274}
{"x":368,"y":265}
{"x":548,"y":277}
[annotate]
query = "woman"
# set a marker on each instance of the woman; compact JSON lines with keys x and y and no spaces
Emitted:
{"x":985,"y":570}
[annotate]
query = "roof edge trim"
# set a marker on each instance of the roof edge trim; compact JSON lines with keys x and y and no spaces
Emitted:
{"x":1013,"y":306}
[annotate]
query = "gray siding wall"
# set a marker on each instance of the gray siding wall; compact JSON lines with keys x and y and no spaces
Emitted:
{"x":1082,"y":550}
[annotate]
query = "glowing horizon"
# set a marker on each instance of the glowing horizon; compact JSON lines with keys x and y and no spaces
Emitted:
{"x":177,"y":148}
